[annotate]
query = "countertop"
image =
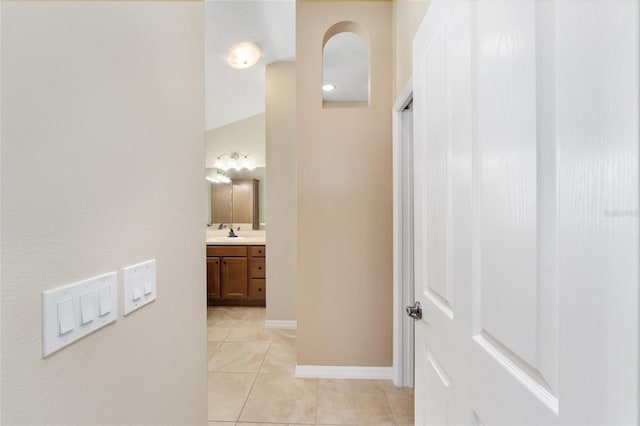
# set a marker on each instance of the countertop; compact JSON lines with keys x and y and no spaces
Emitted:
{"x":218,"y":237}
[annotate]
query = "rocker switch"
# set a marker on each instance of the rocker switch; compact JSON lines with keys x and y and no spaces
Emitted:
{"x":65,"y":317}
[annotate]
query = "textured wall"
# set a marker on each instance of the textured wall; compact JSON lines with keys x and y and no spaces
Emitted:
{"x":344,"y":197}
{"x":281,"y":191}
{"x":102,"y":167}
{"x":245,"y":136}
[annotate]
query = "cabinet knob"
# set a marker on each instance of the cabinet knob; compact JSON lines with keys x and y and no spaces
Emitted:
{"x":259,"y":289}
{"x":260,"y":267}
{"x":225,"y":262}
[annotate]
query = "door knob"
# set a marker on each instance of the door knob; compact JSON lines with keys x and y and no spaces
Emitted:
{"x":415,"y":311}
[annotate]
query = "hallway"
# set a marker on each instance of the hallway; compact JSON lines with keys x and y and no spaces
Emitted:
{"x":251,"y":380}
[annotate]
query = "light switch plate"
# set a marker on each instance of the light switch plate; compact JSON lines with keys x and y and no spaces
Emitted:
{"x":65,"y":319}
{"x":139,"y":285}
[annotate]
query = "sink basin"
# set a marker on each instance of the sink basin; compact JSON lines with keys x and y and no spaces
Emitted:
{"x":227,"y":238}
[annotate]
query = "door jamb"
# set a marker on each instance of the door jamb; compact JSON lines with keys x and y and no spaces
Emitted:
{"x":402,"y":326}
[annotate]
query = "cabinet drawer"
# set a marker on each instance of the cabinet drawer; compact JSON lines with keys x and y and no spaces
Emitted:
{"x":228,"y":251}
{"x":257,"y":290}
{"x":256,"y":268}
{"x":257,"y":251}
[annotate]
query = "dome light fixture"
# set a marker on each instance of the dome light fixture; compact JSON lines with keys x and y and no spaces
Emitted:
{"x":243,"y":55}
{"x":328,"y":87}
{"x":234,"y":161}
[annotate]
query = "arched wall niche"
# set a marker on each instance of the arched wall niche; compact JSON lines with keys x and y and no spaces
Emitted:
{"x":346,"y":66}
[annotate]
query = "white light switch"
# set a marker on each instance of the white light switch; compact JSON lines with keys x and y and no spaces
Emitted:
{"x":65,"y":316}
{"x":87,"y":308}
{"x":148,"y":287}
{"x":139,"y":285}
{"x":69,"y":312}
{"x":104,"y":300}
{"x":136,"y":292}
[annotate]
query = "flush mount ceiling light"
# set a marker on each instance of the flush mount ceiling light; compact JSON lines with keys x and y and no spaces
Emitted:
{"x":243,"y":55}
{"x":234,"y":161}
{"x":328,"y":87}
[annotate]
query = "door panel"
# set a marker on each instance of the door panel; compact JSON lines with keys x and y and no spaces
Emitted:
{"x":442,"y":191}
{"x":437,"y":388}
{"x":514,"y":308}
{"x":597,"y":130}
{"x":526,"y":134}
{"x":506,"y":166}
{"x":437,"y":174}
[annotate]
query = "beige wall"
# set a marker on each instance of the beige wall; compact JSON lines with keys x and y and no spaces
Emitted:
{"x":344,"y":198}
{"x":281,"y":193}
{"x":102,"y":167}
{"x":245,"y":136}
{"x":407,"y":16}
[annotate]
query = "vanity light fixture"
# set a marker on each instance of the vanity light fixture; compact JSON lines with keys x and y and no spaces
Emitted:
{"x":234,"y":161}
{"x":219,"y":178}
{"x":328,"y":87}
{"x":243,"y":55}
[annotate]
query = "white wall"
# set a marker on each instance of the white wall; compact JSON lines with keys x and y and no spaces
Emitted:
{"x":407,"y":16}
{"x":281,"y":191}
{"x":245,"y":136}
{"x":102,"y":167}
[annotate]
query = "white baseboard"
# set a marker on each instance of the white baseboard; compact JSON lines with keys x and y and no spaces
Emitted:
{"x":285,"y":324}
{"x":340,"y":372}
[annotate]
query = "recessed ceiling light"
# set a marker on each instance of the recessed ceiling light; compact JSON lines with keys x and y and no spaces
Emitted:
{"x":328,"y":87}
{"x":243,"y":55}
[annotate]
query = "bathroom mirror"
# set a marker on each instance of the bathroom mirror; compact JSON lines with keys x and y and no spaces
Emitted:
{"x":221,"y":210}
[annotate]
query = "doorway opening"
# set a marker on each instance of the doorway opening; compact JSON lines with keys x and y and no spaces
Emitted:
{"x":403,"y":262}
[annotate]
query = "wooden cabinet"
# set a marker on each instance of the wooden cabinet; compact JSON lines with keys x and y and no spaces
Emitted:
{"x":236,"y":275}
{"x":234,"y":278}
{"x":257,"y":273}
{"x":213,"y":278}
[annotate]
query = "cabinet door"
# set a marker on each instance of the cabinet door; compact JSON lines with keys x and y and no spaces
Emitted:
{"x":213,"y":277}
{"x":234,"y":278}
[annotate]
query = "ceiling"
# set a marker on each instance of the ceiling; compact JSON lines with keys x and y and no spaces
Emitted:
{"x":234,"y":94}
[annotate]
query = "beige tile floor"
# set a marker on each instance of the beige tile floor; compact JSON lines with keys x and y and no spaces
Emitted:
{"x":252,"y":381}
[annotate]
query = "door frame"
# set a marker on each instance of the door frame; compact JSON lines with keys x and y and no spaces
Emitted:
{"x":403,"y":356}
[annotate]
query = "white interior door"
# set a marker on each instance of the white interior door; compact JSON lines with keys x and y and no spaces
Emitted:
{"x":526,"y":212}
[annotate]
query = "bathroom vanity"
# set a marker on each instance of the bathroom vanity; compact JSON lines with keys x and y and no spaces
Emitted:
{"x":236,"y":272}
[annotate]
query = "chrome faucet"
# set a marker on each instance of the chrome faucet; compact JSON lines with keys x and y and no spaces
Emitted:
{"x":221,"y":226}
{"x":232,"y":234}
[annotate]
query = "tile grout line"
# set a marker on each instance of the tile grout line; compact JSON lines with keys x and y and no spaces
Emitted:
{"x":317,"y":390}
{"x":254,"y":382}
{"x":386,"y":398}
{"x":255,"y":378}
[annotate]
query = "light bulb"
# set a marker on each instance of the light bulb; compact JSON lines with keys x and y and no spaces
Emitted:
{"x":243,"y":55}
{"x":328,"y":87}
{"x":246,"y":163}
